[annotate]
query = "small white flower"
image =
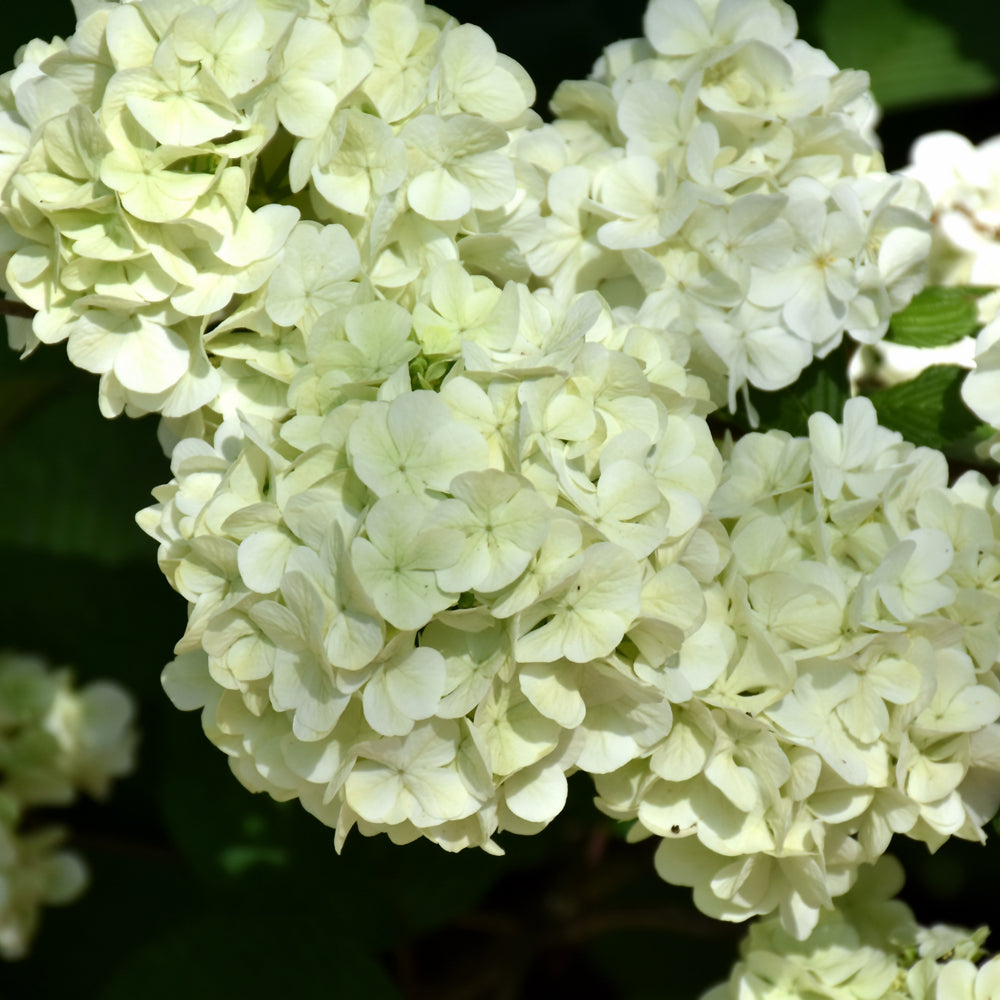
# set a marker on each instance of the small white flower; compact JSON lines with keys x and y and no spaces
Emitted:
{"x":396,"y":563}
{"x":454,"y":166}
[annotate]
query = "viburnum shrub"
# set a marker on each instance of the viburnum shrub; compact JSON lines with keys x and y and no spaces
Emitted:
{"x":462,"y":502}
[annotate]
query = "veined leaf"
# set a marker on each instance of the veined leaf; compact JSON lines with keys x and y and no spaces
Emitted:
{"x":938,"y":316}
{"x":928,"y":410}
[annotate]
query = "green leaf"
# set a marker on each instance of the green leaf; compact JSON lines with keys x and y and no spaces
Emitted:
{"x":928,"y":410}
{"x":938,"y":316}
{"x":913,"y":56}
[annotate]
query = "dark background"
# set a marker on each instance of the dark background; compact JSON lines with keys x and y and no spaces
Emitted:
{"x":202,"y":890}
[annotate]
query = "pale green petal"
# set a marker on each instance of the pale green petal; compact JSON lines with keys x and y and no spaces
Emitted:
{"x":537,"y":793}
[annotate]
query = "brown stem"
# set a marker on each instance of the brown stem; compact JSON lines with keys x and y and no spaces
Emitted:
{"x":10,"y":307}
{"x":990,"y":232}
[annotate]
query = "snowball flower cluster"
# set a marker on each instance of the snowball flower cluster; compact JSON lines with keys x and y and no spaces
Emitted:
{"x":869,"y":947}
{"x":445,"y":505}
{"x":429,"y":598}
{"x":55,"y":741}
{"x":153,"y":166}
{"x":719,"y":178}
{"x":963,"y":181}
{"x":844,"y":680}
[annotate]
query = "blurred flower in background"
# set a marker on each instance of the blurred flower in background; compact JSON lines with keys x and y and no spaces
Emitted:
{"x":56,"y":741}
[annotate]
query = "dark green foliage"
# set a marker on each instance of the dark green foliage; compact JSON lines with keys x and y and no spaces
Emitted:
{"x":80,"y":478}
{"x":928,"y":410}
{"x":914,"y":52}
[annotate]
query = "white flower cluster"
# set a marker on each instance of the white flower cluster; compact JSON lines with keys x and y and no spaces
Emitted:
{"x":719,"y":178}
{"x":963,"y":181}
{"x":449,"y":524}
{"x":55,"y":741}
{"x":153,"y":166}
{"x":845,"y":684}
{"x":964,"y":184}
{"x":869,"y":948}
{"x":423,"y":606}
